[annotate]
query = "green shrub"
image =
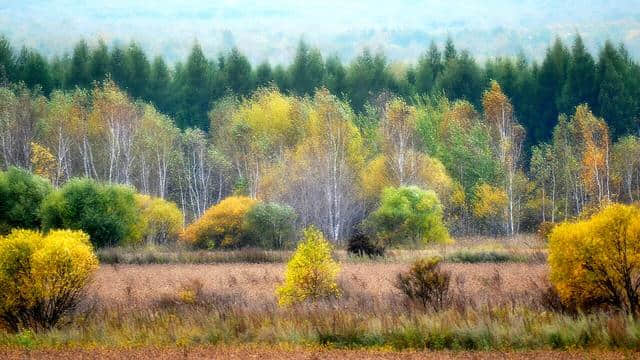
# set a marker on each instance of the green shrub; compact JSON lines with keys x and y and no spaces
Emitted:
{"x":42,"y":277}
{"x":270,"y":225}
{"x":21,"y":194}
{"x":311,"y":273}
{"x":408,"y":216}
{"x":108,"y":213}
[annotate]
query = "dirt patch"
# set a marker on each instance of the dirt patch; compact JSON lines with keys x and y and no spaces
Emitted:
{"x":294,"y":354}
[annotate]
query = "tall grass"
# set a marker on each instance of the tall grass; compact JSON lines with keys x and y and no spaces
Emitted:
{"x":193,"y":317}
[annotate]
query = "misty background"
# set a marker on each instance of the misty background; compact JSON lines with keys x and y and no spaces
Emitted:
{"x":271,"y":30}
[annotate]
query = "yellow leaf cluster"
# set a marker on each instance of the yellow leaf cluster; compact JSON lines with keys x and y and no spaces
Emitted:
{"x":490,"y":201}
{"x":161,"y":221}
{"x":597,"y":260}
{"x":42,"y":271}
{"x":311,"y":274}
{"x":43,"y":162}
{"x":220,"y":225}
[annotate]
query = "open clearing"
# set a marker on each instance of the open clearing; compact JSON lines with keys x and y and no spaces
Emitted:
{"x":256,"y":283}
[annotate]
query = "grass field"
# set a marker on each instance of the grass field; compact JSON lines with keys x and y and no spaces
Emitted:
{"x":229,"y":309}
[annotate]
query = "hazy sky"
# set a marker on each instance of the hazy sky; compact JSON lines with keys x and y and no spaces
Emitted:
{"x":271,"y":29}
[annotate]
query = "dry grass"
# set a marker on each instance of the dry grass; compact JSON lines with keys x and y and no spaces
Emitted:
{"x":244,"y":352}
{"x":255,"y":283}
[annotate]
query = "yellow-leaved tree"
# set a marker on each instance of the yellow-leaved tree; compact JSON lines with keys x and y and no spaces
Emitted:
{"x":221,"y":225}
{"x":43,"y":162}
{"x":161,"y":221}
{"x":489,"y":205}
{"x":311,"y":273}
{"x":42,"y":277}
{"x":596,"y":261}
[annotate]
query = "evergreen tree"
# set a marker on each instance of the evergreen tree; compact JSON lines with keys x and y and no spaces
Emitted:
{"x":551,"y":79}
{"x":159,"y":84}
{"x":79,"y":74}
{"x":307,"y":71}
{"x":264,"y":74}
{"x":59,"y":69}
{"x":236,"y":73}
{"x":33,"y":70}
{"x":281,"y":78}
{"x":428,"y":69}
{"x":580,"y":85}
{"x":7,"y":61}
{"x":137,"y":71}
{"x":462,"y":79}
{"x":368,"y":75}
{"x":616,"y":103}
{"x":99,"y":65}
{"x":450,"y":52}
{"x":118,"y":66}
{"x":195,"y":91}
{"x":336,"y":79}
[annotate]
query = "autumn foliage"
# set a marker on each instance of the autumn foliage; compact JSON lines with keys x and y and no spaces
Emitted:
{"x":42,"y":277}
{"x":596,"y":262}
{"x":221,"y":225}
{"x":311,"y":274}
{"x":160,"y":220}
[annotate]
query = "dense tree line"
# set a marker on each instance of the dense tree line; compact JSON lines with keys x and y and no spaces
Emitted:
{"x":567,"y":77}
{"x":329,"y":164}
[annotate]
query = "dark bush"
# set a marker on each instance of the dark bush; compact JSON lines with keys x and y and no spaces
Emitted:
{"x":21,"y":194}
{"x":425,"y":284}
{"x":360,"y":244}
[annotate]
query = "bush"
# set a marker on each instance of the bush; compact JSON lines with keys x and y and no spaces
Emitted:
{"x":160,"y":221}
{"x":108,"y":213}
{"x":408,"y":216}
{"x":544,"y":230}
{"x":270,"y":225}
{"x":360,"y":244}
{"x":21,"y":194}
{"x":596,"y":262}
{"x":221,"y":225}
{"x":42,"y":277}
{"x":425,"y":283}
{"x":311,"y":273}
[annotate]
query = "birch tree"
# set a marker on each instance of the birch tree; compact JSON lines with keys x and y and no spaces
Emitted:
{"x":508,"y":138}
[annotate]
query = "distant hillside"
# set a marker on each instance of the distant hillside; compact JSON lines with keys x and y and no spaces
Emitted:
{"x":270,"y":30}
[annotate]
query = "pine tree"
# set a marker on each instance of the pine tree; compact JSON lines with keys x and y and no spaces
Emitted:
{"x":264,"y":74}
{"x":551,"y":79}
{"x":580,"y":85}
{"x":137,"y":71}
{"x":307,"y":71}
{"x":159,"y":84}
{"x":99,"y":64}
{"x":79,"y":73}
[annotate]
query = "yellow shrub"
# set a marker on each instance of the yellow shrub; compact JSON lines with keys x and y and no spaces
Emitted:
{"x":311,"y":273}
{"x":220,"y":225}
{"x":597,"y":261}
{"x":160,"y":221}
{"x":42,"y":277}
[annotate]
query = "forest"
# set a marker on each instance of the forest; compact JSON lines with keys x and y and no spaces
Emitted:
{"x":506,"y":146}
{"x":213,"y":206}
